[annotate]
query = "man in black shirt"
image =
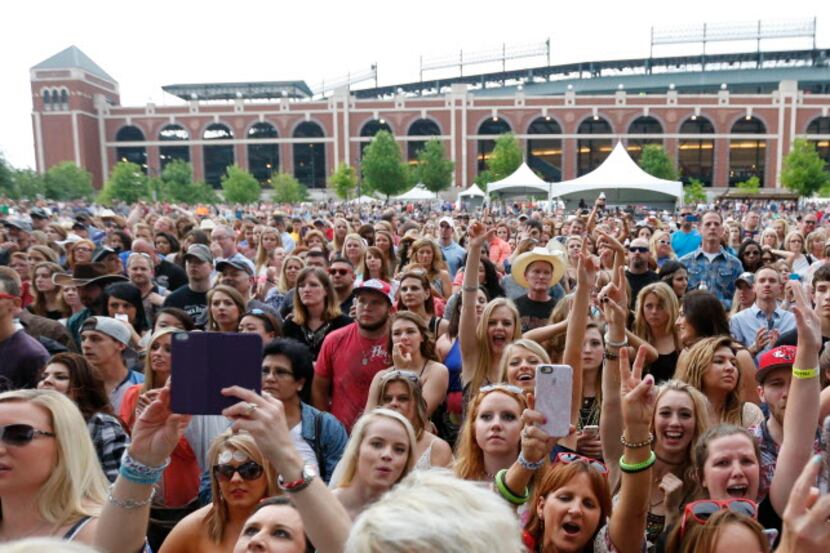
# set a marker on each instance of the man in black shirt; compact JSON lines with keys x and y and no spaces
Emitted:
{"x":193,"y":297}
{"x":537,"y":270}
{"x":638,"y":274}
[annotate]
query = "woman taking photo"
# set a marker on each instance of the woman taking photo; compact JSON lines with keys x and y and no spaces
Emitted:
{"x":71,"y":375}
{"x":654,"y":316}
{"x":413,"y":349}
{"x":225,"y":308}
{"x":316,"y":311}
{"x":426,"y":253}
{"x":415,"y":295}
{"x":48,"y":301}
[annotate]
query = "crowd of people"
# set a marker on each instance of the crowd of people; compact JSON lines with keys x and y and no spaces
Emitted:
{"x":400,"y":347}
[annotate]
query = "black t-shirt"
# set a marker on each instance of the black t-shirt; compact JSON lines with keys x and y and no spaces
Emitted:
{"x":790,"y":338}
{"x":534,"y":314}
{"x":638,"y":282}
{"x":314,"y":340}
{"x":170,"y":276}
{"x":21,"y":359}
{"x":193,"y":303}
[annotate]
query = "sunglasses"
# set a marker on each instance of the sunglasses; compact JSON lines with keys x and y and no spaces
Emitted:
{"x":339,"y":272}
{"x":396,"y":374}
{"x":19,"y":435}
{"x":247,"y":471}
{"x":638,"y":249}
{"x":567,"y":458}
{"x":700,"y":511}
{"x":663,"y":242}
{"x":501,"y":388}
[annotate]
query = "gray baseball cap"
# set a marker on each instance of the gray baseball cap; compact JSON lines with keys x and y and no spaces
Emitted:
{"x":113,"y":328}
{"x":200,"y":252}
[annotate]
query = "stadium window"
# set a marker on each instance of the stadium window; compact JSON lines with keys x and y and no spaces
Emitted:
{"x":421,"y":127}
{"x":132,"y":154}
{"x":310,"y":157}
{"x":263,"y":159}
{"x":173,"y":133}
{"x":643,"y":125}
{"x":494,"y":126}
{"x":217,"y":158}
{"x":696,"y":159}
{"x":370,"y":129}
{"x":544,"y":155}
{"x":47,"y":100}
{"x":591,"y":152}
{"x":747,"y":155}
{"x":821,"y":125}
{"x":64,"y":99}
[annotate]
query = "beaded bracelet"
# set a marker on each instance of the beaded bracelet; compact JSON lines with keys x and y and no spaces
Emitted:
{"x":130,"y":504}
{"x":805,"y":374}
{"x":507,"y":493}
{"x":638,"y":467}
{"x":637,"y":445}
{"x":528,"y":464}
{"x":611,"y":356}
{"x":139,"y":473}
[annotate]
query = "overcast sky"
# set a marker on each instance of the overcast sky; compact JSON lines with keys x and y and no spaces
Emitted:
{"x":145,"y":45}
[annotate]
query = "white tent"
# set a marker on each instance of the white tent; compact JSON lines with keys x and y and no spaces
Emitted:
{"x":472,"y":192}
{"x":417,"y":193}
{"x":623,"y":182}
{"x":364,"y":199}
{"x":522,"y":182}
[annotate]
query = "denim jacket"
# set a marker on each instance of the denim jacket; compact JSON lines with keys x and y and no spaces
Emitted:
{"x":719,"y":275}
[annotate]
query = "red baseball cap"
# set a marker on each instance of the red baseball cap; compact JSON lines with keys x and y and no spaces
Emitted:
{"x":377,"y":286}
{"x":776,"y":358}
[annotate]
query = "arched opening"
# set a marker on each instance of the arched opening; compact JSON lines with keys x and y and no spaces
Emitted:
{"x":217,"y":158}
{"x":746,"y":155}
{"x":370,"y":129}
{"x":495,"y":126}
{"x":544,"y":155}
{"x":592,"y":151}
{"x":47,"y":100}
{"x":173,"y":133}
{"x":64,"y":99}
{"x":821,"y":125}
{"x":697,"y":154}
{"x":263,"y":159}
{"x":133,"y":154}
{"x":421,"y":127}
{"x":643,"y":125}
{"x":310,"y":157}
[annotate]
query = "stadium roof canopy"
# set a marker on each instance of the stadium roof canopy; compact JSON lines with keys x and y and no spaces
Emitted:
{"x":245,"y":91}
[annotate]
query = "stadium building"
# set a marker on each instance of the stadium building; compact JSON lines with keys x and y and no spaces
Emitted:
{"x":722,"y":117}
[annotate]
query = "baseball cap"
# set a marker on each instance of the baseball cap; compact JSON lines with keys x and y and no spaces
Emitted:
{"x":447,"y":220}
{"x":113,"y":328}
{"x":377,"y":286}
{"x":19,"y":224}
{"x":776,"y":358}
{"x":38,"y":213}
{"x":237,"y":262}
{"x":200,"y":252}
{"x":746,"y":277}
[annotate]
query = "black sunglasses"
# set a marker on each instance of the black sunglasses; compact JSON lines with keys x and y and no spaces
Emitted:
{"x":247,"y":471}
{"x":638,"y":249}
{"x":19,"y":435}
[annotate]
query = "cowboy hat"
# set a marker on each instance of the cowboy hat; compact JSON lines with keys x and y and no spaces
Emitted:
{"x":86,"y":273}
{"x":523,"y":261}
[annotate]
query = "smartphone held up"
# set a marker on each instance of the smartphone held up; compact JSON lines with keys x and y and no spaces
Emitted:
{"x":554,"y":386}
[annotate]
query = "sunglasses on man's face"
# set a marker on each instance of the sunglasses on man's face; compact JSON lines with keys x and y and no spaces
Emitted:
{"x":247,"y":471}
{"x":638,"y":249}
{"x":700,"y":511}
{"x":339,"y":272}
{"x":19,"y":435}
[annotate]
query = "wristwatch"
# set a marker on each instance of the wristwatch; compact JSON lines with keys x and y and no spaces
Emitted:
{"x":301,"y":483}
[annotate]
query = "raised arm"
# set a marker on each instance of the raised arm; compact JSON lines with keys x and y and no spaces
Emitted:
{"x":469,"y":289}
{"x":547,"y":332}
{"x":801,"y":415}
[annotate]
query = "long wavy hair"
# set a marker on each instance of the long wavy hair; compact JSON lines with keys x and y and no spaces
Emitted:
{"x":437,"y":265}
{"x":86,"y":387}
{"x":485,"y":354}
{"x":261,"y":253}
{"x":699,"y":360}
{"x":417,"y":273}
{"x":427,"y":348}
{"x":668,"y":300}
{"x":332,"y":307}
{"x":39,"y":305}
{"x":234,"y":295}
{"x":385,"y":271}
{"x":283,"y":285}
{"x":416,"y":393}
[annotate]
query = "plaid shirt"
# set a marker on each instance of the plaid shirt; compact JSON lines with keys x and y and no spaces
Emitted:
{"x":110,"y":441}
{"x":719,"y":274}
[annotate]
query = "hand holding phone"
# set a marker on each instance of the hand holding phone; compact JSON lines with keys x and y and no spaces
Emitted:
{"x":554,"y":385}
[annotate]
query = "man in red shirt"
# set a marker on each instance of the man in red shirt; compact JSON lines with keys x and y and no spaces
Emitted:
{"x":351,"y":356}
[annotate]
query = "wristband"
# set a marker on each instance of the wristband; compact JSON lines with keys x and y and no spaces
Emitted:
{"x":638,"y":467}
{"x":805,"y":374}
{"x":469,"y":288}
{"x":637,"y":445}
{"x":611,"y":356}
{"x":529,"y":465}
{"x":130,"y":504}
{"x":507,"y":493}
{"x":610,"y":344}
{"x":139,"y":473}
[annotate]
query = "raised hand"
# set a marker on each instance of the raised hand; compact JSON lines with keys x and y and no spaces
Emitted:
{"x":478,"y":235}
{"x":672,"y":487}
{"x":586,"y":267}
{"x":806,"y":529}
{"x":614,"y":300}
{"x":807,"y":321}
{"x":637,"y":393}
{"x":157,"y":431}
{"x":536,"y":443}
{"x":402,"y":357}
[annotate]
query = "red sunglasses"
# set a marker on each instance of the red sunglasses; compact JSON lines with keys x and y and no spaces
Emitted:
{"x":700,"y":511}
{"x":567,"y":458}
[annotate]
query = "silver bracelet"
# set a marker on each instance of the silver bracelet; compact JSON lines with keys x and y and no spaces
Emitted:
{"x":528,"y":464}
{"x":610,"y":344}
{"x":130,"y":504}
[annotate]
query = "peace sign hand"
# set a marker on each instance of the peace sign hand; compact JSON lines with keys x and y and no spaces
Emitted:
{"x":637,"y":393}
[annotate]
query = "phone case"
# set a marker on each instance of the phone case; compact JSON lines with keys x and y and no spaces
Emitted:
{"x":205,"y":362}
{"x":554,"y":385}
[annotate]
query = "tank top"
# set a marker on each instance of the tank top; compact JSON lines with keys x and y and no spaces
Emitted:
{"x":663,"y":367}
{"x":453,"y":363}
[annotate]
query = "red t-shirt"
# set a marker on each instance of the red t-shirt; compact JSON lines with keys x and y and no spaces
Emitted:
{"x":351,"y":362}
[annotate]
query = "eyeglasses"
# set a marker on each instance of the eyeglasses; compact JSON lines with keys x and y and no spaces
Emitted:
{"x":663,"y":242}
{"x":567,"y":458}
{"x":247,"y":471}
{"x":339,"y":272}
{"x":277,"y":373}
{"x":501,"y":388}
{"x":700,"y":511}
{"x":397,"y":374}
{"x":638,"y":249}
{"x":18,"y":435}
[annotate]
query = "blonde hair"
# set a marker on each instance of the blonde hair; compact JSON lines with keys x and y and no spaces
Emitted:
{"x":150,"y":375}
{"x":39,"y":545}
{"x":76,"y":486}
{"x":261,"y":253}
{"x":438,"y":264}
{"x":523,"y":343}
{"x":217,"y":515}
{"x":792,"y":234}
{"x":355,"y":238}
{"x":652,"y":245}
{"x":351,"y":455}
{"x":485,"y":356}
{"x":668,"y":299}
{"x":770,"y":231}
{"x":698,"y":360}
{"x":282,"y":283}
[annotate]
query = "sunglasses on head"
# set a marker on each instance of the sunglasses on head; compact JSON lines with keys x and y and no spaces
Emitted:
{"x":700,"y":511}
{"x":638,"y":249}
{"x":247,"y":471}
{"x":567,"y":458}
{"x":501,"y":388}
{"x":396,"y":374}
{"x":21,"y":434}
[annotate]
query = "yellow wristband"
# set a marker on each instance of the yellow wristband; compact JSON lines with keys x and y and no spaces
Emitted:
{"x":805,"y":374}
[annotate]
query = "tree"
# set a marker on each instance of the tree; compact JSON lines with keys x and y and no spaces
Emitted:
{"x":239,"y":186}
{"x":176,"y":185}
{"x":752,"y":185}
{"x":382,"y":168}
{"x":126,"y":183}
{"x":656,"y":162}
{"x":803,"y":169}
{"x":67,"y":181}
{"x":7,"y":184}
{"x":343,"y":181}
{"x":503,"y":161}
{"x":433,"y":170}
{"x":28,"y":184}
{"x":694,"y":192}
{"x":287,"y":189}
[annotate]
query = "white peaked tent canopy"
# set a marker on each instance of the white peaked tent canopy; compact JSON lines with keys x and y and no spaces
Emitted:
{"x":472,"y":192}
{"x":417,"y":193}
{"x":522,"y":182}
{"x":623,"y":182}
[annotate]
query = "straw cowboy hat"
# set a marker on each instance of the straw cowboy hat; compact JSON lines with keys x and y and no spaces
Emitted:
{"x":556,"y":259}
{"x":86,"y":273}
